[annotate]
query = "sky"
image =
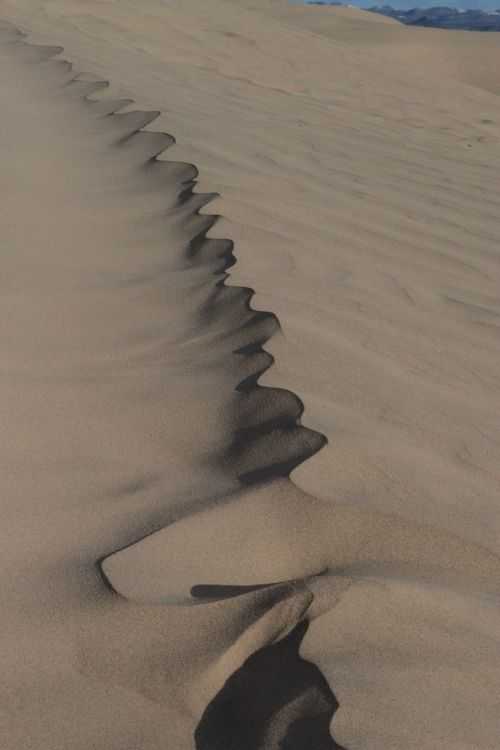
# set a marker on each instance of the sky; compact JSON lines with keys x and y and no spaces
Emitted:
{"x":407,"y":4}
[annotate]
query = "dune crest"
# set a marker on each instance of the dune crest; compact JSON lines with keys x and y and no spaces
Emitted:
{"x":150,"y":438}
{"x":103,"y":353}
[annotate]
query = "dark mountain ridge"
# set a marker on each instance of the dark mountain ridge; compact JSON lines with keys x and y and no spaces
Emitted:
{"x":440,"y":17}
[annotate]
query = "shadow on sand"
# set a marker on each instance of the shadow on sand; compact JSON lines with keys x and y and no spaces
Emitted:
{"x":276,"y":700}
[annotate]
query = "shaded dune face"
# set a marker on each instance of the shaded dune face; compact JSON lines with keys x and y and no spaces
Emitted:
{"x":269,"y":440}
{"x":275,"y":700}
{"x":93,"y":269}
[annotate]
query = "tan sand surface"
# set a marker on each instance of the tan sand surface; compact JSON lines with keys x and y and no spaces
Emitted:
{"x":471,"y":57}
{"x":159,"y":567}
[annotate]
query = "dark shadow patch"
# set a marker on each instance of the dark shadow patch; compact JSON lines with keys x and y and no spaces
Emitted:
{"x":211,"y":592}
{"x":276,"y":701}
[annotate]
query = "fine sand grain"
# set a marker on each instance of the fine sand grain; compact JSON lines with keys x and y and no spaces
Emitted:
{"x":250,"y":408}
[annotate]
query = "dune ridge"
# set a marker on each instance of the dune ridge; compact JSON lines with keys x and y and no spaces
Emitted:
{"x":322,"y":557}
{"x":225,"y":313}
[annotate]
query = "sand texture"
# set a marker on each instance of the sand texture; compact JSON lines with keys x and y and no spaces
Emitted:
{"x":471,"y":57}
{"x":250,"y":386}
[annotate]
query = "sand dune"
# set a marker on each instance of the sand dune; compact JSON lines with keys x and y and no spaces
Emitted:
{"x":471,"y":57}
{"x":228,"y":527}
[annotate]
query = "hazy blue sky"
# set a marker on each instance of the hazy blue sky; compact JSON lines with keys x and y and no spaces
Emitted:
{"x":406,"y":4}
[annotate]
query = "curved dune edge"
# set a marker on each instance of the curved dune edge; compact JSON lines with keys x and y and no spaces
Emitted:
{"x":269,"y":442}
{"x":364,"y":549}
{"x":278,"y":613}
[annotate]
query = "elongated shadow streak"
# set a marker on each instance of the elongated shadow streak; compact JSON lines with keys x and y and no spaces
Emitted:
{"x":276,"y":701}
{"x":215,"y":592}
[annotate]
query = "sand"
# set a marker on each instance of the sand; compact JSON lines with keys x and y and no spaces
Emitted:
{"x":255,"y":510}
{"x":471,"y":57}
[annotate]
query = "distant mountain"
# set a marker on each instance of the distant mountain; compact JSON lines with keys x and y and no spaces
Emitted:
{"x":441,"y":17}
{"x":444,"y":17}
{"x":410,"y":4}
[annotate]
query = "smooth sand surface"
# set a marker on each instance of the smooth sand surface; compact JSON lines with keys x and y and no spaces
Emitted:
{"x":166,"y":583}
{"x":471,"y":57}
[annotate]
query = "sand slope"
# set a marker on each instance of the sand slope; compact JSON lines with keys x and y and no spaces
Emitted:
{"x":471,"y":57}
{"x":362,"y":199}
